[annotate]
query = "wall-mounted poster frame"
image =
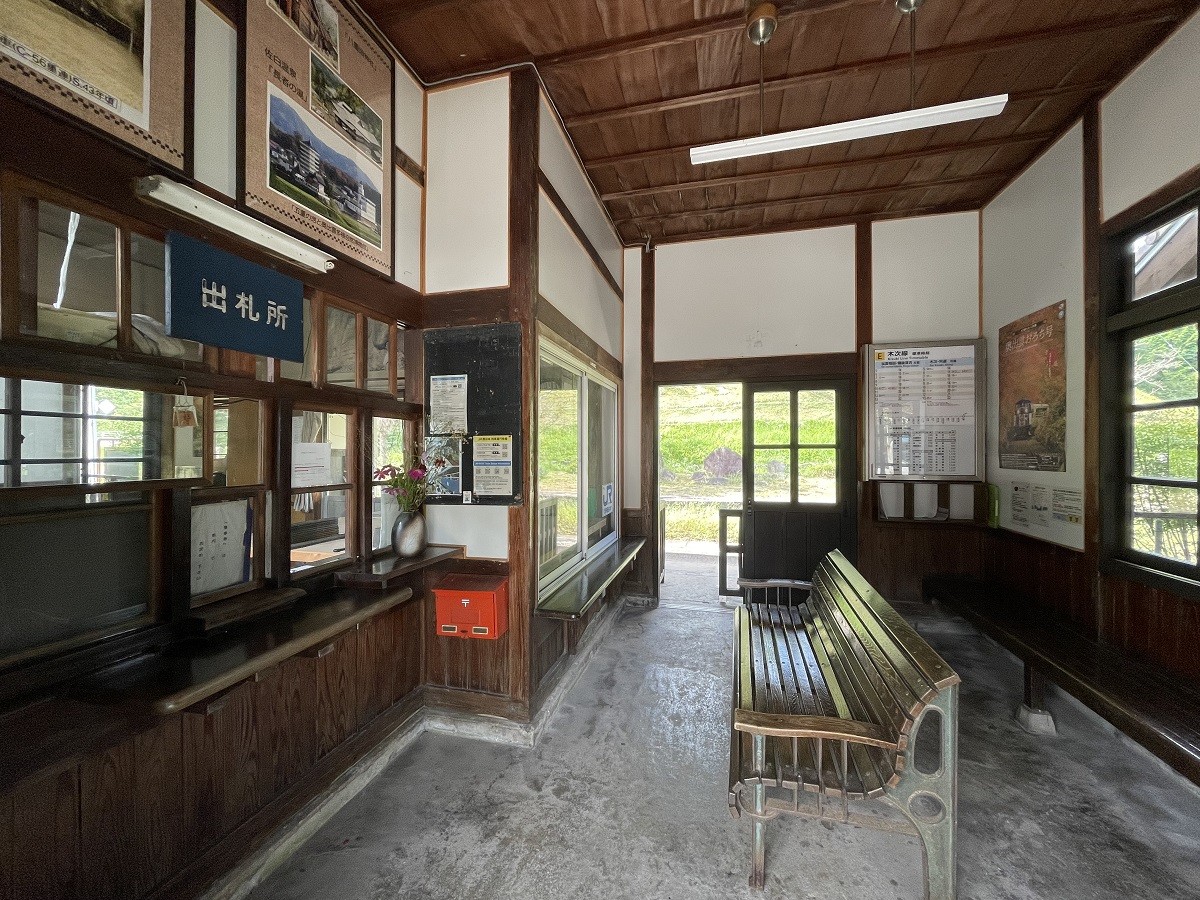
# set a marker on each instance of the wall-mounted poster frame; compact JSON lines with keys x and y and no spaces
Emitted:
{"x":118,"y":66}
{"x":923,"y":410}
{"x":317,"y":138}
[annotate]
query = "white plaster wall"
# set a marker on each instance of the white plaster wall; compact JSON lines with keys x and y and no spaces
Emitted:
{"x":764,"y":295}
{"x":466,"y":186}
{"x":1033,"y":257}
{"x":925,"y":278}
{"x":556,"y":158}
{"x":408,"y":231}
{"x":569,"y":279}
{"x":632,"y":368}
{"x":1150,"y":132}
{"x":482,"y":529}
{"x":215,"y":101}
{"x":410,"y":114}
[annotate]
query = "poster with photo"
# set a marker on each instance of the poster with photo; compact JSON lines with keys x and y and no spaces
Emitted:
{"x":1033,"y":391}
{"x":319,"y":126}
{"x":123,"y":58}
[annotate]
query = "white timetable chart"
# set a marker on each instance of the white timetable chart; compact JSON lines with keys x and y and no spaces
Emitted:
{"x":924,"y":403}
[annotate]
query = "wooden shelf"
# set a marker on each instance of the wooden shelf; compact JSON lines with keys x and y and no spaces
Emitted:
{"x":242,"y":607}
{"x":386,"y":569}
{"x":577,"y":594}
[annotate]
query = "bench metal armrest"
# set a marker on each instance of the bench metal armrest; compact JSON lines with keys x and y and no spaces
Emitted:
{"x":774,"y":583}
{"x":826,"y":727}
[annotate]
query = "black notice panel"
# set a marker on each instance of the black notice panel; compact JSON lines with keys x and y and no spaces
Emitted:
{"x":490,"y":357}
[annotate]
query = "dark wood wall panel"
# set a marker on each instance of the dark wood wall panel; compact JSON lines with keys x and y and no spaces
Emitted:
{"x":220,"y":766}
{"x":337,"y":703}
{"x":45,"y":837}
{"x":895,"y":557}
{"x":131,"y":830}
{"x":1056,"y":577}
{"x":549,"y":644}
{"x":286,"y":704}
{"x":1152,"y":623}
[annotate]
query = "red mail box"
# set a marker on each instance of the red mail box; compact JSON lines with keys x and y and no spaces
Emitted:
{"x":472,"y":606}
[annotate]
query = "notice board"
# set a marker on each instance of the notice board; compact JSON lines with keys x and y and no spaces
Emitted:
{"x":924,"y":410}
{"x":489,"y":356}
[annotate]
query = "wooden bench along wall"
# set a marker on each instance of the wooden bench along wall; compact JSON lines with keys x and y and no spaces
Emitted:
{"x":832,"y":691}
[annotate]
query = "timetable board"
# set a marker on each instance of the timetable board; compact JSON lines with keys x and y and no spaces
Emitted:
{"x":923,"y":410}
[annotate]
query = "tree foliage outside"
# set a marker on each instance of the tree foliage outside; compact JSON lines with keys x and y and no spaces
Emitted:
{"x":1164,"y":369}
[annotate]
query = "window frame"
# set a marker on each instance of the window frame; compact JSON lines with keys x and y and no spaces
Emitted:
{"x":1123,"y":321}
{"x":587,"y":373}
{"x":351,"y":486}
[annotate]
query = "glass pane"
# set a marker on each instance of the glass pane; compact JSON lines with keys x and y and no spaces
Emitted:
{"x":392,"y":442}
{"x":773,"y":417}
{"x":773,"y":476}
{"x":1165,"y":256}
{"x":817,"y":412}
{"x":559,"y":404}
{"x":148,"y":302}
{"x":237,"y":442}
{"x":5,"y":394}
{"x":379,"y":348}
{"x":222,"y":545}
{"x":320,"y":443}
{"x":319,"y":527}
{"x":76,"y":277}
{"x":341,"y":347}
{"x":97,"y":435}
{"x":400,"y":363}
{"x":602,"y":462}
{"x":1164,"y":443}
{"x":1164,"y":522}
{"x":302,"y":371}
{"x":1164,"y":366}
{"x":818,"y":476}
{"x":383,"y":515}
{"x":50,"y":396}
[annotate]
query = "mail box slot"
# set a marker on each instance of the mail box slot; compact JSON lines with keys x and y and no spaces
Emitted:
{"x":472,"y":606}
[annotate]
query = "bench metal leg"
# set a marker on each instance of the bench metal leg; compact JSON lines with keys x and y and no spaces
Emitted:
{"x":930,"y":799}
{"x":758,"y":874}
{"x":1032,"y":714}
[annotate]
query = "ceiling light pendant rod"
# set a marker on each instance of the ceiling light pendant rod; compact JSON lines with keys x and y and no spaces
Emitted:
{"x":761,"y":93}
{"x":760,"y":25}
{"x":762,"y":22}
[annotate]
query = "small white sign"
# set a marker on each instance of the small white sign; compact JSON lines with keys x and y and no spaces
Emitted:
{"x":447,"y":404}
{"x":493,"y":465}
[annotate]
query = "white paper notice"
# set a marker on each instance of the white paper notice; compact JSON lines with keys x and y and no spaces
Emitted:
{"x":311,"y":465}
{"x":1067,"y":507}
{"x":447,"y":404}
{"x":220,"y":551}
{"x":493,"y":465}
{"x":1020,"y":503}
{"x":1040,"y":506}
{"x":925,"y":416}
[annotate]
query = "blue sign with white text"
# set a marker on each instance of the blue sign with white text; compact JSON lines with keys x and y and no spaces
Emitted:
{"x":222,"y":300}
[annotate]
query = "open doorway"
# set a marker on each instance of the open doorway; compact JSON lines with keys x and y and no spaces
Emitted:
{"x":700,"y":474}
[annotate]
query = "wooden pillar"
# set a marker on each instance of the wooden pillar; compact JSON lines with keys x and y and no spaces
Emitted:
{"x":649,"y":454}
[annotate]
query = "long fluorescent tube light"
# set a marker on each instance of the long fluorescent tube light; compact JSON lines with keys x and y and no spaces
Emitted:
{"x":909,"y":120}
{"x":205,"y":209}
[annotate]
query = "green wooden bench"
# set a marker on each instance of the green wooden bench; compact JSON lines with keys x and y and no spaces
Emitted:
{"x":832,"y":690}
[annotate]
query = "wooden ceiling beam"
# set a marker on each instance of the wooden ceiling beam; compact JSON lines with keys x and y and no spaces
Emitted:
{"x":1038,"y":137}
{"x":933,"y":184}
{"x":641,"y":43}
{"x":808,"y":224}
{"x":1161,"y":15}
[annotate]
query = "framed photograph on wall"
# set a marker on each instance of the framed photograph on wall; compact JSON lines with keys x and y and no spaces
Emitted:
{"x":318,"y":127}
{"x":117,"y":65}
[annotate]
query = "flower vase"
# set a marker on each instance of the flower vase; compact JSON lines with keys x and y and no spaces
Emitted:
{"x":408,"y":534}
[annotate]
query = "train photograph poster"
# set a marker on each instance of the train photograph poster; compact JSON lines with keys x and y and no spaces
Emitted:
{"x":123,"y":58}
{"x":318,"y":126}
{"x":1033,"y":391}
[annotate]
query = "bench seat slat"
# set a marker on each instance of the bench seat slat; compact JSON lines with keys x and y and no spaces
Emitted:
{"x":883,"y":683}
{"x":827,"y":727}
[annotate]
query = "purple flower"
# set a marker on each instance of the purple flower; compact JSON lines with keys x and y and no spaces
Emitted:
{"x":417,"y":474}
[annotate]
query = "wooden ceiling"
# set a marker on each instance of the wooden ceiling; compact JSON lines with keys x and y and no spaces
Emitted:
{"x":638,"y":82}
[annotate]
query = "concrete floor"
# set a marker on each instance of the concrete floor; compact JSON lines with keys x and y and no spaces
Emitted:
{"x":692,"y":578}
{"x":624,"y":797}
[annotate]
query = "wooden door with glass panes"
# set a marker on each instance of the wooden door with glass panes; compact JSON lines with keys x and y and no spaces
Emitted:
{"x":799,"y":485}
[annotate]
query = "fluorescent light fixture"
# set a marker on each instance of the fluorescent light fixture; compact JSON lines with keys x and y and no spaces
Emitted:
{"x":909,"y":120}
{"x":209,"y":211}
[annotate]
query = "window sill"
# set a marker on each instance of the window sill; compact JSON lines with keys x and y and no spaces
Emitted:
{"x":1116,"y":567}
{"x":575,"y":596}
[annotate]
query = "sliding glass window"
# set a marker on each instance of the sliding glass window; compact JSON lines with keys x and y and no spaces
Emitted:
{"x":577,"y":465}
